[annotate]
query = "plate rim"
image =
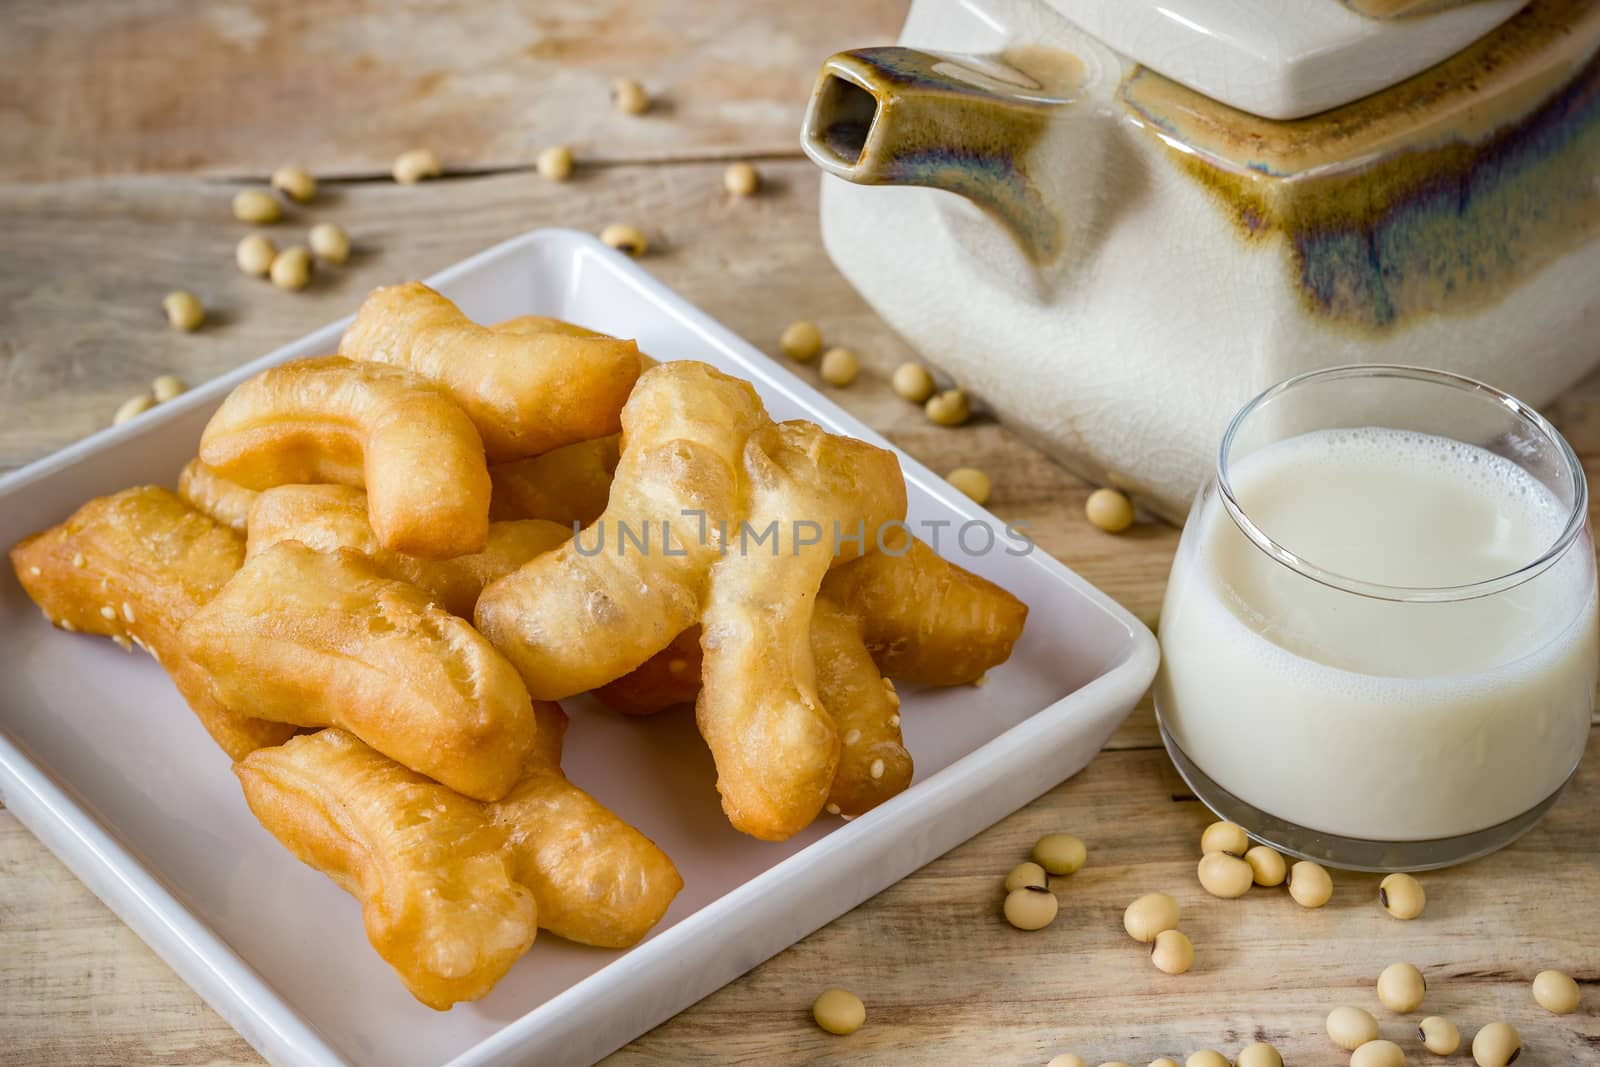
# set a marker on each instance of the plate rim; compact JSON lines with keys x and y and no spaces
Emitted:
{"x":232,"y":986}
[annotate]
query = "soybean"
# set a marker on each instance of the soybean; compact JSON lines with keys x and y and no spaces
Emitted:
{"x":166,"y":387}
{"x":839,"y":1011}
{"x":184,"y":310}
{"x":949,"y":408}
{"x":1259,"y":1054}
{"x":1309,"y":884}
{"x":1173,"y":952}
{"x":629,"y":240}
{"x":1266,"y":865}
{"x":330,"y":243}
{"x":629,"y":97}
{"x":1109,"y":510}
{"x":1031,"y":907}
{"x":1225,"y":837}
{"x":1225,"y":876}
{"x":1556,"y":993}
{"x":971,"y":481}
{"x":416,"y":164}
{"x":1060,"y":854}
{"x":296,"y":183}
{"x":1496,"y":1045}
{"x":1401,"y":988}
{"x":555,"y":163}
{"x":1378,"y":1054}
{"x":291,"y":268}
{"x":840,"y":367}
{"x":1401,"y":896}
{"x":1066,"y":1059}
{"x":741,"y":179}
{"x":1148,"y":916}
{"x":256,"y":206}
{"x":254,"y":254}
{"x":1351,"y":1027}
{"x":913,"y":382}
{"x":1439,"y":1035}
{"x":1026,"y":874}
{"x":1206,"y":1058}
{"x":801,"y":341}
{"x":132,"y":407}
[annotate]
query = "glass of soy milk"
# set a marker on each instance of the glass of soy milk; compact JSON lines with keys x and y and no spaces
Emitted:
{"x":1379,"y":639}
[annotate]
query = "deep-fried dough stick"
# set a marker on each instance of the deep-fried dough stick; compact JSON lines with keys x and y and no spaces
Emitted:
{"x":327,"y":517}
{"x":927,"y":620}
{"x":207,"y":491}
{"x":527,"y":392}
{"x":323,"y":639}
{"x":863,"y":704}
{"x":361,"y":424}
{"x":430,"y":870}
{"x":873,"y":762}
{"x":598,"y":881}
{"x":961,"y":627}
{"x":773,"y":741}
{"x":668,"y":678}
{"x":568,"y":485}
{"x":134,"y":566}
{"x":532,"y":324}
{"x":599,"y":606}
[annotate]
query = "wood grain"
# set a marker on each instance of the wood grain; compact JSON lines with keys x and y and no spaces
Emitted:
{"x":944,"y":979}
{"x":118,"y":246}
{"x":240,"y":87}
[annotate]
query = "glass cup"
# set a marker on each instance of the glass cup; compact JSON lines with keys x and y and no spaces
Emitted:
{"x":1379,"y":639}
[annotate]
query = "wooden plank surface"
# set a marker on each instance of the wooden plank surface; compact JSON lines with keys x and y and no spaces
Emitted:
{"x":945,"y":980}
{"x":240,"y":87}
{"x":89,"y":109}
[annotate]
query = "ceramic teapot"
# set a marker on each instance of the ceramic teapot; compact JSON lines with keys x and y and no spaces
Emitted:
{"x":1116,"y":222}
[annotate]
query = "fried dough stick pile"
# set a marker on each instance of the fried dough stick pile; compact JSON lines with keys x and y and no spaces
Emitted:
{"x":431,"y":788}
{"x":790,"y":698}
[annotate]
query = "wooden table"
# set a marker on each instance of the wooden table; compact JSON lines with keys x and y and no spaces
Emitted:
{"x":124,"y":131}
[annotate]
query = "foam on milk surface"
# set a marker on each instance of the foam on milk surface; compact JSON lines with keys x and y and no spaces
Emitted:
{"x":1323,"y":706}
{"x":1398,"y":508}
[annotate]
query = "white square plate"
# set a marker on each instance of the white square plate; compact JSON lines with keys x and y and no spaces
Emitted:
{"x":100,"y":758}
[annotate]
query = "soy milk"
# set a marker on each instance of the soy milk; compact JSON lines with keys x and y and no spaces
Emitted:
{"x":1366,"y":717}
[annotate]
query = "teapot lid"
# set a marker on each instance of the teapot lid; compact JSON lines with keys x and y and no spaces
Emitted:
{"x":1281,"y":59}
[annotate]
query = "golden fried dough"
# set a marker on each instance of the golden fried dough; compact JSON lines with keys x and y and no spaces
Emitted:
{"x":773,"y":741}
{"x":598,"y":881}
{"x":361,"y":424}
{"x":873,"y":762}
{"x":134,"y":566}
{"x":668,"y":678}
{"x":599,"y":606}
{"x":532,"y":324}
{"x":969,"y":627}
{"x":527,"y":392}
{"x":544,"y":324}
{"x":326,"y":517}
{"x":927,"y":620}
{"x":323,"y":639}
{"x":569,"y":485}
{"x":430,"y":870}
{"x":209,"y":492}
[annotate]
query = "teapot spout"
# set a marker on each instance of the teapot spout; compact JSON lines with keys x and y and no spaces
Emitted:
{"x":966,"y":124}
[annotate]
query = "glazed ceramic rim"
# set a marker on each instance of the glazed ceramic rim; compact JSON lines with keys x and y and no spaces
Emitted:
{"x":1576,"y":520}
